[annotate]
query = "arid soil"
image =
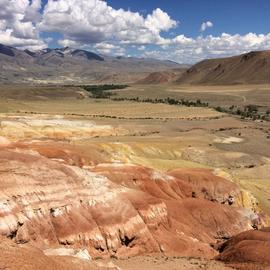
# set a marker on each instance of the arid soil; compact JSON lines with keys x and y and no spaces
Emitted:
{"x":172,"y":263}
{"x":27,"y":257}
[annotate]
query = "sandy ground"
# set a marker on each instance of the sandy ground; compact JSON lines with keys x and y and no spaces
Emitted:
{"x":168,"y":263}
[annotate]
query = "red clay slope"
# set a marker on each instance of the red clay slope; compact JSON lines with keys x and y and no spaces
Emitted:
{"x":28,"y":257}
{"x":115,"y":209}
{"x":248,"y":250}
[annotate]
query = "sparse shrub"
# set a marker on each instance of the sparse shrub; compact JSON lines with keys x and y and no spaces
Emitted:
{"x":100,"y":91}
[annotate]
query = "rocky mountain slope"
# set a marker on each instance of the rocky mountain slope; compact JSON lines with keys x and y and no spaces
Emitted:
{"x":249,"y":68}
{"x":66,"y":65}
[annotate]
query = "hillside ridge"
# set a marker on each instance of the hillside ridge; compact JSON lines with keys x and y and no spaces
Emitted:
{"x":248,"y":68}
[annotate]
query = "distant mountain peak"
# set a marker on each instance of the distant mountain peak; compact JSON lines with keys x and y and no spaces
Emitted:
{"x":67,"y":51}
{"x":7,"y":50}
{"x":31,"y":53}
{"x":87,"y":54}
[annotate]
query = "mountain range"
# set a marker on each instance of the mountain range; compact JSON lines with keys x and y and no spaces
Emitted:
{"x":248,"y":68}
{"x":67,"y":65}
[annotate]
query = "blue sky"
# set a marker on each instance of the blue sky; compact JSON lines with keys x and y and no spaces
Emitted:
{"x":230,"y":16}
{"x":185,"y":31}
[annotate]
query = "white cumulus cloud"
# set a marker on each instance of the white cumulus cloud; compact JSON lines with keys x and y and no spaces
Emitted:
{"x":18,"y":20}
{"x":95,"y":25}
{"x":107,"y":48}
{"x":191,"y":50}
{"x":206,"y":25}
{"x":94,"y":21}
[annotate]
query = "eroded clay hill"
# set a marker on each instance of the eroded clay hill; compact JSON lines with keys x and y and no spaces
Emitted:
{"x":29,"y":257}
{"x":248,"y":250}
{"x":115,"y":209}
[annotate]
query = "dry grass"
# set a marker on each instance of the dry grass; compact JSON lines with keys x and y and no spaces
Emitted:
{"x":216,"y":95}
{"x":107,"y":108}
{"x":260,"y":188}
